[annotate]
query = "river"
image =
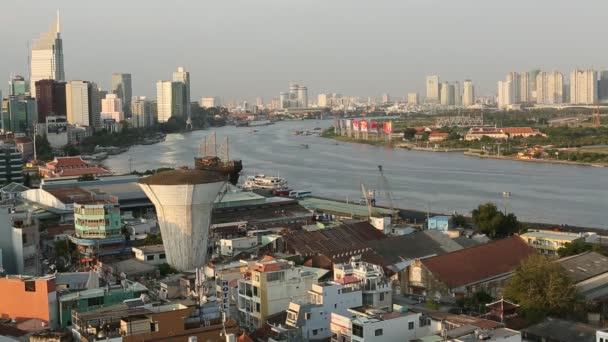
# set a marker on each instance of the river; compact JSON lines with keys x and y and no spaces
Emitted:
{"x":437,"y":182}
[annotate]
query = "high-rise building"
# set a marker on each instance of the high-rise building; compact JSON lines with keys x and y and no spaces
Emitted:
{"x":121,"y":86}
{"x":183,"y":77}
{"x":169,"y":100}
{"x":83,"y":103}
{"x":505,"y":94}
{"x":447,"y":94}
{"x":457,"y":94}
{"x":19,"y":113}
{"x":297,"y":97}
{"x":602,"y":87}
{"x":322,"y":100}
{"x":96,"y":94}
{"x":111,"y":108}
{"x":386,"y":98}
{"x":532,"y":87}
{"x":515,"y":83}
{"x":183,"y":199}
{"x":259,"y":102}
{"x":413,"y":99}
{"x":524,"y":87}
{"x":583,"y":87}
{"x":432,"y":89}
{"x":549,"y":87}
{"x":302,"y":96}
{"x":18,"y":86}
{"x":468,"y":95}
{"x":50,"y":97}
{"x":47,"y":57}
{"x":143,"y":115}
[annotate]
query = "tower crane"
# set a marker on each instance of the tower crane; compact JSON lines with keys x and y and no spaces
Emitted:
{"x":387,"y":190}
{"x":368,"y":202}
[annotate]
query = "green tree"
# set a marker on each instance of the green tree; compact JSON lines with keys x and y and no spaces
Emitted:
{"x":409,"y":133}
{"x":475,"y":303}
{"x":44,"y":151}
{"x":70,"y":150}
{"x":459,"y":221}
{"x":577,"y":247}
{"x":493,"y":222}
{"x":541,"y":287}
{"x":153,"y":239}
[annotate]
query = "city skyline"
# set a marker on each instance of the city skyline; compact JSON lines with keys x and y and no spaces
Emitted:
{"x":249,"y":58}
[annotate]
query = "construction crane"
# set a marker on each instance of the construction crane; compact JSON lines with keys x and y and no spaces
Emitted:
{"x":387,"y":190}
{"x":596,"y":118}
{"x":366,"y":196}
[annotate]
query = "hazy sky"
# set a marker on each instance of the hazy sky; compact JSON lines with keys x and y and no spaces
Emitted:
{"x":246,"y":48}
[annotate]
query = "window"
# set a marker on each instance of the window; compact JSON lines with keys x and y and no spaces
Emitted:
{"x":335,"y":306}
{"x":162,"y":256}
{"x":255,"y":291}
{"x":424,"y":321}
{"x":30,"y":286}
{"x":381,"y":296}
{"x":410,"y":325}
{"x":378,"y":332}
{"x":307,"y":316}
{"x":315,"y":332}
{"x":357,"y":330}
{"x":257,"y":307}
{"x":150,"y":257}
{"x":95,"y":301}
{"x":275,"y":276}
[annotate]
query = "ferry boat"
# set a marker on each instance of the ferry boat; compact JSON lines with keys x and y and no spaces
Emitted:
{"x":263,"y":182}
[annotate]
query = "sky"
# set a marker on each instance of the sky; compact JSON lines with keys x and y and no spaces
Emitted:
{"x":242,"y":49}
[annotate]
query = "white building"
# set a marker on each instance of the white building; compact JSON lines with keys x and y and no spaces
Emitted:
{"x":141,"y":111}
{"x":432,"y":89}
{"x":20,"y":243}
{"x":297,"y":97}
{"x":77,"y":103}
{"x":47,"y":57}
{"x":313,"y":316}
{"x":166,"y":101}
{"x":154,"y":254}
{"x":549,"y":87}
{"x":583,"y":87}
{"x":505,"y":94}
{"x":377,"y":289}
{"x":210,"y":102}
{"x":525,"y":94}
{"x":468,"y":94}
{"x":230,"y":247}
{"x":379,"y":325}
{"x":111,"y":108}
{"x":413,"y":99}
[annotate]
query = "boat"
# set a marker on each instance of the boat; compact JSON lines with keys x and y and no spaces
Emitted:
{"x":209,"y":160}
{"x":282,"y":191}
{"x":263,"y":182}
{"x":304,"y":146}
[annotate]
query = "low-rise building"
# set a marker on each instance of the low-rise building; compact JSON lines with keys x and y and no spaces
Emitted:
{"x":269,"y":288}
{"x":376,"y":288}
{"x":438,"y":136}
{"x":547,"y":242}
{"x":442,"y":223}
{"x":19,"y":242}
{"x":476,"y":133}
{"x":70,"y":167}
{"x":230,"y":247}
{"x":154,"y":254}
{"x":560,"y":330}
{"x":457,"y":274}
{"x":29,"y":297}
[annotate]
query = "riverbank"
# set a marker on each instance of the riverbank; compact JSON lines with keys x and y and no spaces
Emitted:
{"x":549,"y":161}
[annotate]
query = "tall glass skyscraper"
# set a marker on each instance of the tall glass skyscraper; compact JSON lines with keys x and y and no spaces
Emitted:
{"x":121,"y":86}
{"x":47,"y":57}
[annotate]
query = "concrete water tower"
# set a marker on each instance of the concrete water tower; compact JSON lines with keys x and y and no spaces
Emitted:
{"x":183,"y":199}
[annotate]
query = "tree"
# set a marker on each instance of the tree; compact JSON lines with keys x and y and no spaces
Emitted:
{"x":409,"y":133}
{"x":475,"y":303}
{"x":459,"y":221}
{"x":493,"y":222}
{"x":44,"y":151}
{"x":577,"y":247}
{"x":541,"y":287}
{"x":70,"y":150}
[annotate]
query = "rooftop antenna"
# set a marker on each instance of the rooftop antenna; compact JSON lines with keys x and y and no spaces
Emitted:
{"x":57,"y":26}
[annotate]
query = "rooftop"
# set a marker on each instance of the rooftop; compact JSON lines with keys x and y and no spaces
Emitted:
{"x":475,"y":264}
{"x":68,"y":195}
{"x":151,"y":249}
{"x":340,"y":208}
{"x":552,"y":236}
{"x":584,"y":266}
{"x":183,"y":176}
{"x":554,"y":329}
{"x":416,"y":245}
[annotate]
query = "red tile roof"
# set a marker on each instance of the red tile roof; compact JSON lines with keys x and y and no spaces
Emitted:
{"x":348,"y":280}
{"x":69,"y":195}
{"x":518,"y":130}
{"x":439,"y":134}
{"x":475,"y":264}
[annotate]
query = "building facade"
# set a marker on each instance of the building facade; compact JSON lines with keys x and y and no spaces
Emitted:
{"x":142,"y":113}
{"x":112,"y":108}
{"x":549,"y":88}
{"x":583,"y":87}
{"x":47,"y":57}
{"x":50,"y":97}
{"x":468,"y":93}
{"x":121,"y":87}
{"x":183,"y":77}
{"x":432,"y":89}
{"x":29,"y":297}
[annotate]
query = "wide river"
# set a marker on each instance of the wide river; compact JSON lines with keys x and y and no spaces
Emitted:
{"x":436,"y":182}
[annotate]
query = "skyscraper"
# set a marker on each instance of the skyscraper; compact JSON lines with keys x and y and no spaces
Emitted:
{"x":47,"y":57}
{"x":18,"y":86}
{"x":142,"y":112}
{"x":505,"y":94}
{"x":50,"y":96}
{"x":583,"y":86}
{"x":412,"y":99}
{"x":549,"y":87}
{"x":532,"y":87}
{"x":468,"y":96}
{"x":386,"y":98}
{"x":121,"y":86}
{"x":432,"y":89}
{"x":83,"y":103}
{"x":447,"y":94}
{"x":515,"y":84}
{"x":602,"y":87}
{"x":457,"y":94}
{"x":183,"y":77}
{"x":170,"y":100}
{"x":111,"y":108}
{"x":524,"y":87}
{"x":19,"y":113}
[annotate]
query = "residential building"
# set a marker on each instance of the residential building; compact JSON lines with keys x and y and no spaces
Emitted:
{"x":457,"y":94}
{"x":24,"y":297}
{"x":377,"y":289}
{"x":514,"y":79}
{"x":468,"y":94}
{"x":169,"y":322}
{"x":210,"y":102}
{"x":183,"y":77}
{"x":11,"y":163}
{"x":441,"y":223}
{"x":231,"y":247}
{"x":386,"y":98}
{"x":549,"y":87}
{"x":97,"y":226}
{"x":18,"y":85}
{"x":47,"y":57}
{"x":95,"y":298}
{"x":438,"y":136}
{"x":269,"y":288}
{"x":313,"y":315}
{"x":432,"y":89}
{"x":505,"y":94}
{"x":20,"y":244}
{"x":142,"y":113}
{"x":154,"y":254}
{"x":50,"y":97}
{"x":458,"y":274}
{"x":583,"y":87}
{"x":413,"y":99}
{"x":78,"y":103}
{"x":121,"y":87}
{"x":547,"y":242}
{"x":297,"y":97}
{"x":24,"y":145}
{"x":447,"y":94}
{"x":112,"y":108}
{"x":70,"y":167}
{"x":525,"y":94}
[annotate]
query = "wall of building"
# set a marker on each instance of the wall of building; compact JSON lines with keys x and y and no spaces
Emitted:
{"x":396,"y":329}
{"x":32,"y":301}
